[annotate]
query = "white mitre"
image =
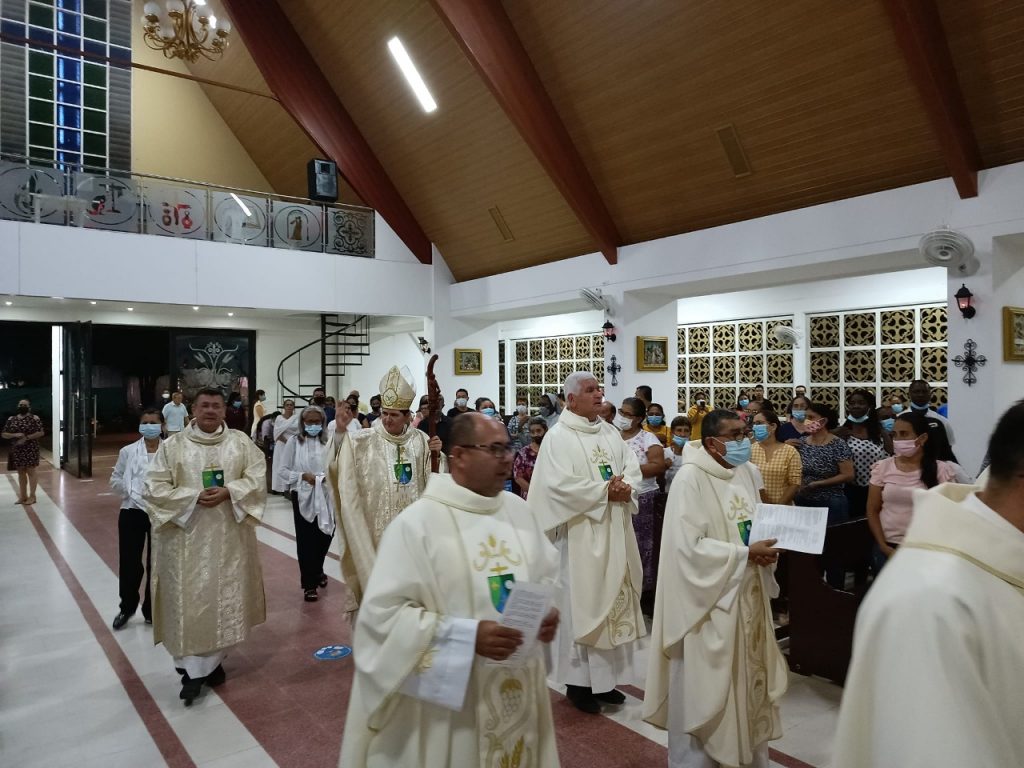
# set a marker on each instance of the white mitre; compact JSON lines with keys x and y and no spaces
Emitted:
{"x":396,"y":389}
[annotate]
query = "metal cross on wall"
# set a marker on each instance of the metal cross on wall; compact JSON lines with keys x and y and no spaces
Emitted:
{"x":614,"y":369}
{"x":970,"y":361}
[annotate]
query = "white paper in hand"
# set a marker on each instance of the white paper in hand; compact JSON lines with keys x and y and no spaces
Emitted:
{"x":525,"y":609}
{"x":798,"y":529}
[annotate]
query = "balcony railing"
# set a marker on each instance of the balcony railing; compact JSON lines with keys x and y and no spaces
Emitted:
{"x":104,"y":198}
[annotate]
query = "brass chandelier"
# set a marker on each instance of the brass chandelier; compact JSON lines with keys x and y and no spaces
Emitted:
{"x":185,"y":30}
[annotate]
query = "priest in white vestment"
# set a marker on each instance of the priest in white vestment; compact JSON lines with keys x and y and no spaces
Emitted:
{"x":583,"y":489}
{"x":427,"y":690}
{"x":715,"y":673}
{"x":380,"y":471}
{"x":938,"y":650}
{"x":205,"y":494}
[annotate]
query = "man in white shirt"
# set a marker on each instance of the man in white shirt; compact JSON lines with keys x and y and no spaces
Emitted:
{"x":920,"y":400}
{"x":175,"y":414}
{"x":937,"y":652}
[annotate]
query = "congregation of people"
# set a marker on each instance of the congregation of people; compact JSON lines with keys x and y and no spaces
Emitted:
{"x":634,"y":524}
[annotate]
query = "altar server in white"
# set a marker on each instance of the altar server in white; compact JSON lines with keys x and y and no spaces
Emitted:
{"x":715,"y":672}
{"x":583,"y":488}
{"x":426,"y":691}
{"x":939,"y":644}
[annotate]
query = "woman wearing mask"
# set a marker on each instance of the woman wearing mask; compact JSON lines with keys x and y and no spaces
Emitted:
{"x":285,"y":426}
{"x":779,"y":463}
{"x":526,"y":457}
{"x":868,"y":444}
{"x":651,"y":456}
{"x":655,"y":423}
{"x":485,"y":406}
{"x":791,"y":430}
{"x":303,"y":470}
{"x":887,"y":423}
{"x":24,"y":430}
{"x":893,"y":480}
{"x":549,"y":408}
{"x":741,"y":406}
{"x":827,"y":464}
{"x":234,"y":417}
{"x":519,"y":424}
{"x":674,"y":452}
{"x":133,"y":528}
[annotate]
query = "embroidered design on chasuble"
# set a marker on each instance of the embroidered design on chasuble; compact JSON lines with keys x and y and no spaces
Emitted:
{"x":759,"y":706}
{"x":498,"y":583}
{"x":213,"y":477}
{"x":600,"y":457}
{"x":740,"y":512}
{"x":508,"y":734}
{"x":402,"y":469}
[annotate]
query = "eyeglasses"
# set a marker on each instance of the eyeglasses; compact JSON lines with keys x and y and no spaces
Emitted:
{"x":497,"y":450}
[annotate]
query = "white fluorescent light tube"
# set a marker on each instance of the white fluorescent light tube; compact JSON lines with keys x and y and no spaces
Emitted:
{"x":412,"y":75}
{"x":243,"y":206}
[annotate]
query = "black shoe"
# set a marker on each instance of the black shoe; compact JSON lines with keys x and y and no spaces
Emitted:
{"x":121,"y":619}
{"x":323,"y":581}
{"x":148,"y":619}
{"x":216,"y":677}
{"x":583,"y":699}
{"x":310,"y":596}
{"x":190,"y":689}
{"x":611,"y":697}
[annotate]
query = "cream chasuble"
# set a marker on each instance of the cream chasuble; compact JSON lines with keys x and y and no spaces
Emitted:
{"x":712,"y":618}
{"x":938,"y":655}
{"x":421,"y":697}
{"x":378,"y":475}
{"x":600,"y":560}
{"x":207,"y":583}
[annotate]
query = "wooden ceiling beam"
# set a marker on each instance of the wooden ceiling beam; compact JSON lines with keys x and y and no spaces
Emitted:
{"x":486,"y":35}
{"x":922,"y":40}
{"x":296,"y":80}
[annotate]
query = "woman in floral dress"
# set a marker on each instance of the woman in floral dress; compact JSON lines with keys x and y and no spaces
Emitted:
{"x":24,"y":430}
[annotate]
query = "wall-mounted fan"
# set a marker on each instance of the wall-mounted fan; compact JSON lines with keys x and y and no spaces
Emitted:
{"x":948,"y":248}
{"x":786,"y":334}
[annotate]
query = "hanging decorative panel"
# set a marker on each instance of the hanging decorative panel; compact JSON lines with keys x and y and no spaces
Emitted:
{"x":880,"y":350}
{"x":723,"y":359}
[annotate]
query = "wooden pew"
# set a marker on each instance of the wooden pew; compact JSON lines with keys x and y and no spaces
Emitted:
{"x":821,"y":618}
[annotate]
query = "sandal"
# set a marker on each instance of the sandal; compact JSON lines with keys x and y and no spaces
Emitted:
{"x":310,"y":596}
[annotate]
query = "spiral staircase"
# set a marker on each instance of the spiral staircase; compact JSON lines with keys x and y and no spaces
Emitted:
{"x":343,"y":343}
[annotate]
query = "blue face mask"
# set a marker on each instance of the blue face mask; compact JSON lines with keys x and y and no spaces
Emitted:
{"x":655,"y":421}
{"x":744,"y":403}
{"x":313,"y":429}
{"x":917,"y":407}
{"x":487,"y":411}
{"x":897,"y":409}
{"x":736,"y":451}
{"x":150,"y":431}
{"x":680,"y":441}
{"x":799,"y":414}
{"x":888,"y":424}
{"x":857,"y":419}
{"x":760,"y":432}
{"x":236,"y":404}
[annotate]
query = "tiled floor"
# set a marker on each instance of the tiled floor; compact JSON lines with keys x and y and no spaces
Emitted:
{"x":115,"y":695}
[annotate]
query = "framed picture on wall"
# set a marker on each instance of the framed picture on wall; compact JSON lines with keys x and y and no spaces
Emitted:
{"x":652,"y":353}
{"x":468,"y":362}
{"x":1013,"y":334}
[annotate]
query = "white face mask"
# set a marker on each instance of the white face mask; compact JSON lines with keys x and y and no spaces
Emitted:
{"x":622,"y":423}
{"x":521,"y":410}
{"x":460,"y":402}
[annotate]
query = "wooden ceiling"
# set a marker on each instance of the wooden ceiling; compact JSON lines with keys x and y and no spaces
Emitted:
{"x":820,"y":94}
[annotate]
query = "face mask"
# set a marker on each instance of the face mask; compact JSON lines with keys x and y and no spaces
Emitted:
{"x":904,"y":447}
{"x":888,"y":424}
{"x":917,"y":407}
{"x":375,"y":408}
{"x":236,"y":404}
{"x":736,"y":451}
{"x":655,"y":421}
{"x":313,"y":429}
{"x":701,"y":403}
{"x":799,"y":414}
{"x":166,"y":395}
{"x":897,"y":409}
{"x":622,"y":423}
{"x":537,"y":440}
{"x":263,"y":398}
{"x":760,"y":432}
{"x":744,"y":403}
{"x":150,"y":431}
{"x":857,"y":419}
{"x":460,"y":402}
{"x":680,"y":441}
{"x":22,"y":409}
{"x":522,"y":410}
{"x":487,"y":411}
{"x":544,"y":411}
{"x":815,"y":426}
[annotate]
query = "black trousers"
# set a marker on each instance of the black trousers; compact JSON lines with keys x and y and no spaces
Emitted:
{"x":311,"y":546}
{"x":132,"y":538}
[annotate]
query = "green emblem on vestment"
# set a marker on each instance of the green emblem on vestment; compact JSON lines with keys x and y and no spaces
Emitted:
{"x":744,"y":526}
{"x":499,"y":588}
{"x":605,"y":470}
{"x":213,"y":477}
{"x":403,"y":472}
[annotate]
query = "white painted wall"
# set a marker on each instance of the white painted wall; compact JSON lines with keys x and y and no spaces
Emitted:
{"x":399,"y":349}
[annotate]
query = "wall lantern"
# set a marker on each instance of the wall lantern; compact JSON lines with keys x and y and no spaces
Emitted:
{"x":609,"y":330}
{"x":963,"y":301}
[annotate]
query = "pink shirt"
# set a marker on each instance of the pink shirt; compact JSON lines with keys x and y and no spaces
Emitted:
{"x":898,"y":494}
